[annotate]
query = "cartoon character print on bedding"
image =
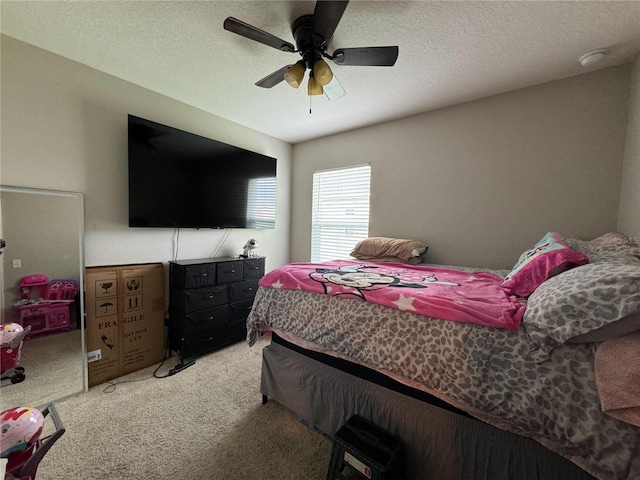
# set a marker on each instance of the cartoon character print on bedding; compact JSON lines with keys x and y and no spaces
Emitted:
{"x":357,"y":279}
{"x":455,"y":295}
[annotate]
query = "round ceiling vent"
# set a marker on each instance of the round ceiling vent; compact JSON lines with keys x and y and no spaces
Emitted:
{"x":594,"y":56}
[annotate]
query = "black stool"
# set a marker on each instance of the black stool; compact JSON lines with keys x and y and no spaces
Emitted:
{"x":366,"y":449}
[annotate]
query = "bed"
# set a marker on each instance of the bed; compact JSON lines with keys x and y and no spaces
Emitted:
{"x":471,"y":396}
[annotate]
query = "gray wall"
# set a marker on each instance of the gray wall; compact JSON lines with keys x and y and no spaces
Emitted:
{"x":64,"y":127}
{"x":482,"y":181}
{"x":629,"y":218}
{"x":479,"y":182}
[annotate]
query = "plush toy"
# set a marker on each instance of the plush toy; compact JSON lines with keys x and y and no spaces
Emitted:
{"x":249,"y":247}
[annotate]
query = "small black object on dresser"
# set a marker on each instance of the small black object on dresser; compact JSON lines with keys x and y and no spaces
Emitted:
{"x":209,"y":301}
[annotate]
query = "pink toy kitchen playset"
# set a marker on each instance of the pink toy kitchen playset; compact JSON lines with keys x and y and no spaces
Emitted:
{"x":44,"y":305}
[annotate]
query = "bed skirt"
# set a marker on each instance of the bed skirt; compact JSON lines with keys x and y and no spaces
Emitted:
{"x":439,"y":443}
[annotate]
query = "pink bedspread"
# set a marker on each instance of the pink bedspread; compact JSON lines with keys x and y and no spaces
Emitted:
{"x":455,"y":295}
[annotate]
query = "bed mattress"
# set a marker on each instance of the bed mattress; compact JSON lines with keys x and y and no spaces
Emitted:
{"x":440,"y":442}
{"x":486,"y":372}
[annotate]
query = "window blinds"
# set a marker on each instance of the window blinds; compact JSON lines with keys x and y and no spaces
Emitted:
{"x":261,"y":203}
{"x":340,"y":212}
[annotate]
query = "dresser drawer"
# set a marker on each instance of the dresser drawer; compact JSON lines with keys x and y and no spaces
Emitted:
{"x":237,"y":330}
{"x":199,"y":343}
{"x":253,"y":268}
{"x":240,"y":310}
{"x":193,"y":276}
{"x":242,"y":290}
{"x":210,"y":300}
{"x":201,"y":320}
{"x":198,"y":298}
{"x":229,"y":271}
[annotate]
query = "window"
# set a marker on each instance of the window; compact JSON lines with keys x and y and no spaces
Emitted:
{"x":261,"y":203}
{"x":340,"y":213}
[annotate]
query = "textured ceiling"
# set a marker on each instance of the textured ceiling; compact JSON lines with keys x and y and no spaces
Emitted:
{"x":450,"y":52}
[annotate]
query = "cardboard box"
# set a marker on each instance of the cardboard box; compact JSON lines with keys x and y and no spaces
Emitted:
{"x":125,"y":319}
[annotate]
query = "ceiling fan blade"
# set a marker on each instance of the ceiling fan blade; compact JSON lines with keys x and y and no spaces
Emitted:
{"x":366,"y":56}
{"x":333,"y":90}
{"x":249,"y":31}
{"x":273,"y":79}
{"x":326,"y":17}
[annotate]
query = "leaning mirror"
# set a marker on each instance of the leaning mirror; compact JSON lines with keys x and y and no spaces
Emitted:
{"x":43,"y":349}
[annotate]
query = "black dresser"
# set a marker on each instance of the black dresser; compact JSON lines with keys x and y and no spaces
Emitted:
{"x":210,"y":299}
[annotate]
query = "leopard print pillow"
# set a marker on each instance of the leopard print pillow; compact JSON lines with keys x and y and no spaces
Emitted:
{"x":614,"y":250}
{"x":582,"y":301}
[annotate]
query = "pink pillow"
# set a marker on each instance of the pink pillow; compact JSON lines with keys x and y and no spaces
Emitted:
{"x":549,"y":257}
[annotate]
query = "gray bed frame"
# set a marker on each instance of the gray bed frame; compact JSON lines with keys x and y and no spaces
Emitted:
{"x":440,"y":442}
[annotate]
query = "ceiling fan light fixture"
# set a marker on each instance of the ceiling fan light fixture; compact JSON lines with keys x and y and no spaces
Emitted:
{"x":313,"y":33}
{"x":322,"y":72}
{"x":314,"y":86}
{"x":294,"y":74}
{"x":333,"y":90}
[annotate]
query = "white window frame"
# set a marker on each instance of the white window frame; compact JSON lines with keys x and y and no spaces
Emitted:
{"x":340,"y":211}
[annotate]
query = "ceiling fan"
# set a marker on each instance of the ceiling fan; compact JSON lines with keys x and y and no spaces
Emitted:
{"x":312,"y":34}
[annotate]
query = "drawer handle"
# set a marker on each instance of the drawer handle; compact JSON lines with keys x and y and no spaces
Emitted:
{"x":204,"y":274}
{"x":233,"y":271}
{"x":209,"y":339}
{"x":211,"y":318}
{"x":210,"y":296}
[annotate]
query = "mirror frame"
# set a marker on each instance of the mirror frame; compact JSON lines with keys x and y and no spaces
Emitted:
{"x":80,"y":219}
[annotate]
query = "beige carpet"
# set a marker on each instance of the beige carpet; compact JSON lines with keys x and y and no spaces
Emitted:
{"x":206,"y":423}
{"x":53,"y":369}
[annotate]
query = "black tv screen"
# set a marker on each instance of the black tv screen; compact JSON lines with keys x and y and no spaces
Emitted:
{"x":179,"y":179}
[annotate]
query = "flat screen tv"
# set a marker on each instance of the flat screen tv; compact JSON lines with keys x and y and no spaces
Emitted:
{"x":182,"y":180}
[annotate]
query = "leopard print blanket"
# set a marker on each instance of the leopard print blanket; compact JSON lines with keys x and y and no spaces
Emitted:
{"x":488,"y":372}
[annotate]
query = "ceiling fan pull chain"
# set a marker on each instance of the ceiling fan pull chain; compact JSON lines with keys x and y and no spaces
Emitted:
{"x":309,"y":104}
